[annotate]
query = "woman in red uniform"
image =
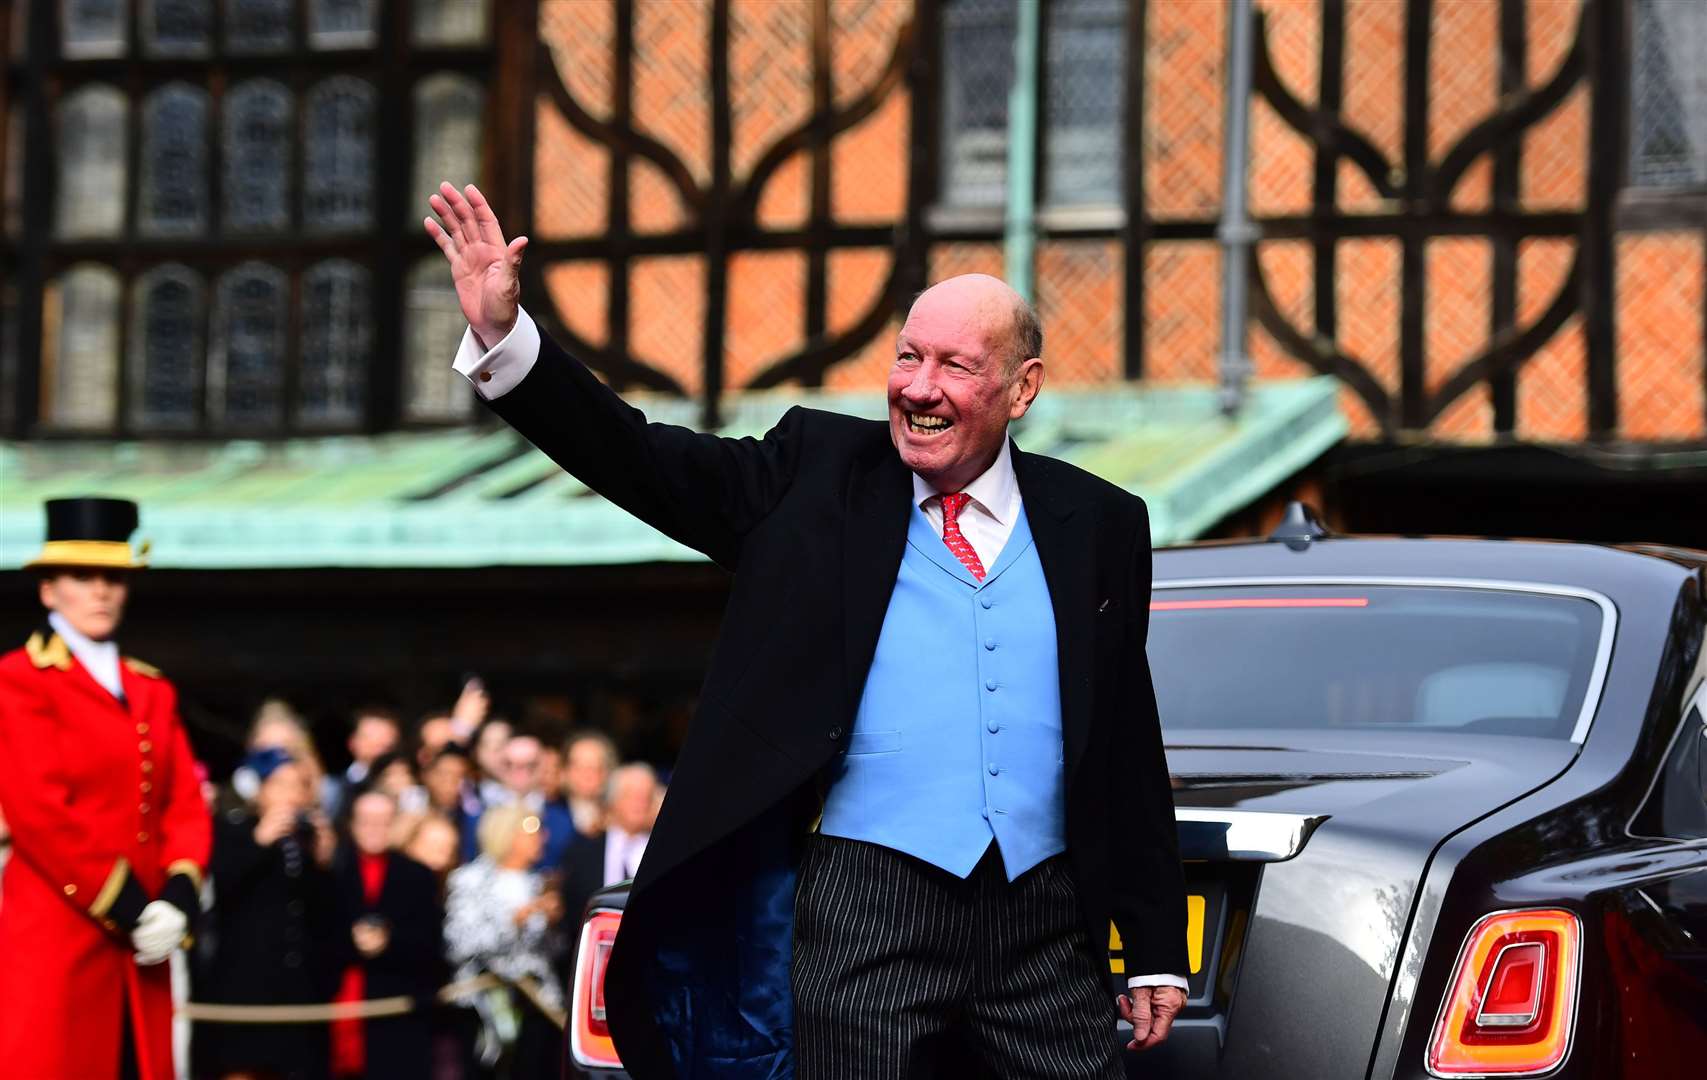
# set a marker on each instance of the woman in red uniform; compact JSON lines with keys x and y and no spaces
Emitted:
{"x":109,"y":832}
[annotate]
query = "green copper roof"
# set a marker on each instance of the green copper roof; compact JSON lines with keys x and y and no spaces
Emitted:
{"x":484,"y":497}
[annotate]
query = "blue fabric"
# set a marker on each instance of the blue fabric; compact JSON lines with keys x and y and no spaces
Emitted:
{"x":720,"y":980}
{"x":560,"y":834}
{"x":957,"y":740}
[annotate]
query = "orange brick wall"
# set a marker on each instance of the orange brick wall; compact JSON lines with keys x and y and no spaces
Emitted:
{"x":1659,"y":280}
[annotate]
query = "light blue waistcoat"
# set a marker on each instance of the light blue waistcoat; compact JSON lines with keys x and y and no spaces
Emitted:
{"x":958,"y":735}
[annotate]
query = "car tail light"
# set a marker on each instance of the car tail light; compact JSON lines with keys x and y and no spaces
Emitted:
{"x":1513,"y":1000}
{"x":589,"y":1033}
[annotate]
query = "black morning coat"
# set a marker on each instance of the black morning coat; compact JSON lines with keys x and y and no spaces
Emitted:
{"x":412,"y":964}
{"x":811,"y":520}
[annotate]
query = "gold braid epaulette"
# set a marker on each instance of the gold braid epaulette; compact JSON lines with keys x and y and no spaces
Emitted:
{"x":48,"y":651}
{"x":142,"y":667}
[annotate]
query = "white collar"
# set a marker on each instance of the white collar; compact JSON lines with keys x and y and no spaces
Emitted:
{"x":99,"y":658}
{"x":993,"y":491}
{"x":80,"y":643}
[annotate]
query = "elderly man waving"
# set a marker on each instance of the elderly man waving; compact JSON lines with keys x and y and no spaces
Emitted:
{"x":925,"y":774}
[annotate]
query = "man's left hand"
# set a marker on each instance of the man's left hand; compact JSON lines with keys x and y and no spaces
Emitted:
{"x":1151,"y":1011}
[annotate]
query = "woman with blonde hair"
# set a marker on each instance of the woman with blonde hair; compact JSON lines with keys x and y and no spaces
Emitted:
{"x":502,"y":919}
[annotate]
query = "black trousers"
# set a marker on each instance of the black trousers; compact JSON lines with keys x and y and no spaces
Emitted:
{"x":903,"y":971}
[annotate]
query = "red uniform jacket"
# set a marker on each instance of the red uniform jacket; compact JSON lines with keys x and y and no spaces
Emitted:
{"x":104,"y":807}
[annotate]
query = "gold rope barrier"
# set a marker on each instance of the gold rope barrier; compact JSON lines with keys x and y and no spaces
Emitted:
{"x":208,"y":1012}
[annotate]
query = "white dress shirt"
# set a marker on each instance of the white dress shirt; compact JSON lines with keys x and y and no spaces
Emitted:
{"x":99,"y":658}
{"x":622,"y":854}
{"x":987,"y":520}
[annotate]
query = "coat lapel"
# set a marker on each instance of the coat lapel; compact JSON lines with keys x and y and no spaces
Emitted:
{"x":874,"y":536}
{"x":1065,"y":548}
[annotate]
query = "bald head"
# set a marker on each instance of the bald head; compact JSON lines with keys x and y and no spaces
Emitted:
{"x":966,"y":364}
{"x":989,"y":306}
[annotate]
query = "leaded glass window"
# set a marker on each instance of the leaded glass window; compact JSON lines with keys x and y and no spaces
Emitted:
{"x":342,"y":24}
{"x":337,"y":337}
{"x":1668,"y":95}
{"x":977,"y":76}
{"x":165,"y":349}
{"x":257,"y":26}
{"x":1083,"y":101}
{"x":257,"y":140}
{"x":433,"y":325}
{"x":246,"y":356}
{"x":81,"y":335}
{"x":176,"y":27}
{"x":447,"y":22}
{"x":338,"y":168}
{"x":92,"y":143}
{"x":173,"y":194}
{"x":447,"y":135}
{"x":90,"y":28}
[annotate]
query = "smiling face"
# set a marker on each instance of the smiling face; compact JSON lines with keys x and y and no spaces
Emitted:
{"x":961,"y":374}
{"x":92,"y":601}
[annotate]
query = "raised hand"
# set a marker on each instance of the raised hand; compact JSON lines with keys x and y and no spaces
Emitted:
{"x":484,"y":267}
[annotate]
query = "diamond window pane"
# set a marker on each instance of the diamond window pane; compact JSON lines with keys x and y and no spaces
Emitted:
{"x":338,"y":169}
{"x":433,"y":326}
{"x":90,"y":28}
{"x":176,"y":27}
{"x":165,"y":349}
{"x":80,"y":339}
{"x":257,"y":26}
{"x":1084,"y":101}
{"x":448,"y":22}
{"x":342,"y":24}
{"x":173,"y":199}
{"x":447,"y":135}
{"x":258,"y":151}
{"x":337,"y":342}
{"x":92,"y":143}
{"x":1668,"y":95}
{"x":246,"y":350}
{"x":977,"y":76}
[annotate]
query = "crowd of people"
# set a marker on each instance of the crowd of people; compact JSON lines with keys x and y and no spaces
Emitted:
{"x":457,"y":851}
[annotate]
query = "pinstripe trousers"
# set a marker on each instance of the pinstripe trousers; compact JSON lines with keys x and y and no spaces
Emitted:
{"x":901,"y":970}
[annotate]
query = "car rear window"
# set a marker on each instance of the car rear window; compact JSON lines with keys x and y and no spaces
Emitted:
{"x":1421,"y":658}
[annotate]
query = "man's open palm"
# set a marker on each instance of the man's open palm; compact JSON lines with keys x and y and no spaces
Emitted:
{"x":484,"y":267}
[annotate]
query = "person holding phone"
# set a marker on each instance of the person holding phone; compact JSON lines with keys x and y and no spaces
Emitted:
{"x":274,"y":937}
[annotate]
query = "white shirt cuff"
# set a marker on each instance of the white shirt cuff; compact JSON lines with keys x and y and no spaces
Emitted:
{"x":498,"y":370}
{"x":1158,"y":980}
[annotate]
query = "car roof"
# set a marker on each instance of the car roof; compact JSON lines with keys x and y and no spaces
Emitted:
{"x":1628,"y":575}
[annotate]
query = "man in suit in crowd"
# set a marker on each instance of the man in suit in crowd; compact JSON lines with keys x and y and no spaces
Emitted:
{"x":613,"y":855}
{"x":926,"y":773}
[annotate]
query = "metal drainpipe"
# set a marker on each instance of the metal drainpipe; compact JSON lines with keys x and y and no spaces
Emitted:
{"x":1236,"y":231}
{"x":1019,"y":225}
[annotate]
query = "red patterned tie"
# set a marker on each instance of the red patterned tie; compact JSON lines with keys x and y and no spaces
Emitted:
{"x":952,"y":505}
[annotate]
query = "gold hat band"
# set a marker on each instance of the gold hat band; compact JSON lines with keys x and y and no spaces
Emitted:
{"x":108,"y":554}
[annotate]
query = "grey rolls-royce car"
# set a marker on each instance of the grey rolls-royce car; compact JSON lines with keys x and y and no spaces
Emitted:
{"x":1443,"y":806}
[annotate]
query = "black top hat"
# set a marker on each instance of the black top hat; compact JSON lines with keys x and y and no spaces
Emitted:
{"x":89,"y":531}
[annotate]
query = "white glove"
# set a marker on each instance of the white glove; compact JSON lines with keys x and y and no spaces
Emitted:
{"x":159,"y":930}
